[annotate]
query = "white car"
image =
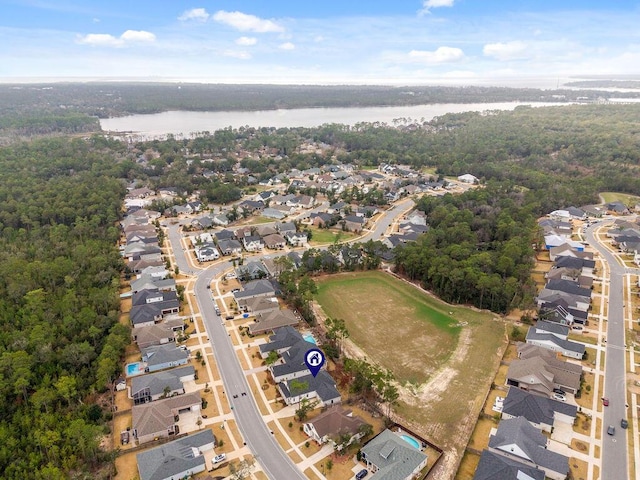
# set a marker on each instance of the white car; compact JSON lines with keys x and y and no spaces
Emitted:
{"x":557,"y":396}
{"x":220,"y":458}
{"x":231,"y":275}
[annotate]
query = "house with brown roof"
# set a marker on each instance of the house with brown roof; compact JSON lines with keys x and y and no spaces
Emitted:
{"x":269,"y":321}
{"x":543,"y":374}
{"x":158,"y":419}
{"x":334,"y":422}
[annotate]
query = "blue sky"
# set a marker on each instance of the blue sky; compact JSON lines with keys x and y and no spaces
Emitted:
{"x":353,"y":42}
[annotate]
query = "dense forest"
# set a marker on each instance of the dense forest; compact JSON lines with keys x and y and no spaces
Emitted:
{"x":60,"y":343}
{"x":478,"y":249}
{"x":61,"y":197}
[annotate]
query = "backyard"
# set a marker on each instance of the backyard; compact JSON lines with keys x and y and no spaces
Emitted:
{"x":444,"y":357}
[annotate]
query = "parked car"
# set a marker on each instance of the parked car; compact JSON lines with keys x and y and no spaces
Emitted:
{"x":605,"y":401}
{"x":624,"y":423}
{"x":220,"y":458}
{"x":611,"y":430}
{"x":231,"y":275}
{"x":559,"y":391}
{"x":557,"y":396}
{"x":235,"y":290}
{"x":361,"y":474}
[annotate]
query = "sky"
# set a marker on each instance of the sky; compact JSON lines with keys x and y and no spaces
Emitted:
{"x":401,"y":42}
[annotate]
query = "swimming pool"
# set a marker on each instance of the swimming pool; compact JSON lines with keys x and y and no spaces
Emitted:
{"x":411,"y":441}
{"x":134,"y":369}
{"x":309,"y":338}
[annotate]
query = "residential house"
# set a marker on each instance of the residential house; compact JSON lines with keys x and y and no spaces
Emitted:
{"x":158,"y":333}
{"x":493,"y":466}
{"x":230,"y":247}
{"x":204,"y":222}
{"x":252,"y":270}
{"x":551,"y":241}
{"x":159,"y":357}
{"x":285,"y":227}
{"x":542,"y":412}
{"x":274,"y":213}
{"x":543,"y":374}
{"x":353,"y":223}
{"x":264,"y":230}
{"x":321,"y":387}
{"x":468,"y":178}
{"x":274,"y":241}
{"x":553,"y":336}
{"x":567,"y":286}
{"x":224,"y":235}
{"x":150,"y":306}
{"x":256,"y":288}
{"x":254,"y":207}
{"x":516,"y":437}
{"x":567,"y":250}
{"x":332,"y":424}
{"x":390,"y":457}
{"x":155,"y":386}
{"x":181,"y":458}
{"x":296,"y":239}
{"x":617,"y":208}
{"x":259,"y":305}
{"x":155,"y":271}
{"x":321,"y":219}
{"x":253,"y":243}
{"x":267,"y":321}
{"x":207,"y":253}
{"x":147,"y":282}
{"x":586,"y":266}
{"x":158,"y":419}
{"x":281,"y":340}
{"x":221,"y":219}
{"x":559,"y":311}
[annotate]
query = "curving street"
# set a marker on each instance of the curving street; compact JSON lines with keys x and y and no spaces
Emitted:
{"x":262,"y":443}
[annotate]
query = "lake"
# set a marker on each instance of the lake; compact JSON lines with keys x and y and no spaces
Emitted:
{"x":186,"y":124}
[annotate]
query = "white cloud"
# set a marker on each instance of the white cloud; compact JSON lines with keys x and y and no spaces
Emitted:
{"x":286,"y":46}
{"x":138,"y":36}
{"x":196,"y":14}
{"x":429,"y":4}
{"x":440,"y":55}
{"x":506,"y":51}
{"x":240,"y":54}
{"x":247,"y":23}
{"x":107,"y":40}
{"x":246,"y":41}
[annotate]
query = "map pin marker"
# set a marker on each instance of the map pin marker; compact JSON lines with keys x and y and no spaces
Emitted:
{"x":314,"y":358}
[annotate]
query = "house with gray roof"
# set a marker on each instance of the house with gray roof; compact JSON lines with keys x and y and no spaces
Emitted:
{"x":282,"y":339}
{"x":178,"y":459}
{"x":542,"y":412}
{"x":147,"y":282}
{"x":159,"y":357}
{"x":517,"y":438}
{"x":259,"y":305}
{"x":255,"y":288}
{"x":321,"y":387}
{"x":553,"y":336}
{"x":494,"y":466}
{"x":154,"y":386}
{"x":230,"y":246}
{"x":252,"y":270}
{"x":273,"y":213}
{"x":390,"y":457}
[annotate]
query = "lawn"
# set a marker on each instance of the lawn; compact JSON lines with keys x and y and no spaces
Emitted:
{"x":444,"y":356}
{"x":380,"y":311}
{"x":322,"y":236}
{"x":625,"y":198}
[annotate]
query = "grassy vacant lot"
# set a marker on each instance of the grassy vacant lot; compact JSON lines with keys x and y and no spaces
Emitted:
{"x":382,"y":312}
{"x":620,"y":197}
{"x":322,"y":236}
{"x":445,"y":357}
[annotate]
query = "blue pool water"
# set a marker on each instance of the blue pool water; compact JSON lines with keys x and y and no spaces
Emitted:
{"x":411,"y":441}
{"x":309,"y":338}
{"x":134,"y":369}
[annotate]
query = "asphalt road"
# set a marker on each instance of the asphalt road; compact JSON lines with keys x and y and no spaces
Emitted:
{"x":614,"y":448}
{"x":262,"y":443}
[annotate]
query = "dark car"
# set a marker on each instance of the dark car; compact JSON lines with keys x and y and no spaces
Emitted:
{"x":624,"y":423}
{"x":361,"y":474}
{"x":611,"y":430}
{"x":559,"y":391}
